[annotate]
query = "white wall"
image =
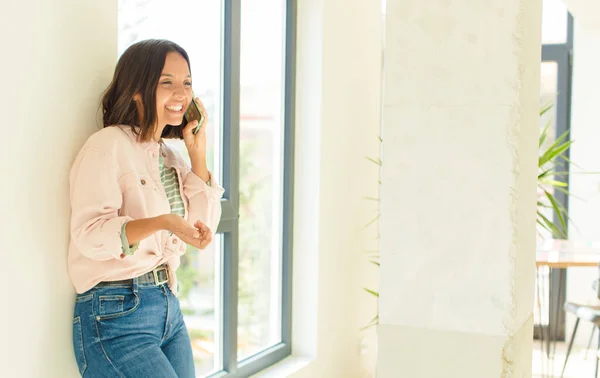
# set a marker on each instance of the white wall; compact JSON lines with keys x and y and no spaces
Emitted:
{"x":460,"y":132}
{"x":338,"y":122}
{"x":585,"y":132}
{"x":57,"y":57}
{"x":586,"y":11}
{"x":61,"y":55}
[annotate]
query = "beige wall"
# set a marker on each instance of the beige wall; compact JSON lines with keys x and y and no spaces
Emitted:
{"x":338,"y":122}
{"x":57,"y":58}
{"x":460,"y":132}
{"x":61,"y":54}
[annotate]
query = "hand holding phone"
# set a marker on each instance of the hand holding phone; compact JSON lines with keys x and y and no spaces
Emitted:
{"x":194,"y":113}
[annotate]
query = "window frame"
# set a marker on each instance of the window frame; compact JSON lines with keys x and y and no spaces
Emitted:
{"x":562,"y":55}
{"x":229,"y":224}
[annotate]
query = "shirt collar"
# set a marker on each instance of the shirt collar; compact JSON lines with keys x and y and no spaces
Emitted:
{"x":146,"y":145}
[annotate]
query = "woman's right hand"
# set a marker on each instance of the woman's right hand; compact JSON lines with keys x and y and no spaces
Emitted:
{"x":197,"y":235}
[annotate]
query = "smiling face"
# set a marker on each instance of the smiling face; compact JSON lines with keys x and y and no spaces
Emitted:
{"x":173,"y":92}
{"x":150,"y":90}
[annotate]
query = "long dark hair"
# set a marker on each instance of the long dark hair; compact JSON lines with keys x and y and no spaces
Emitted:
{"x":138,"y":72}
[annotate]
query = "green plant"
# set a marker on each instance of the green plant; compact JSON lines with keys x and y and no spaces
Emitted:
{"x":550,"y":180}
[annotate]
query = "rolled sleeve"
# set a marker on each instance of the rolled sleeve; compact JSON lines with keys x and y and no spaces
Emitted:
{"x":194,"y":185}
{"x":127,"y":249}
{"x":204,"y":200}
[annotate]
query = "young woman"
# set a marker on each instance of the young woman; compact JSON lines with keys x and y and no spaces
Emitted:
{"x":135,"y":204}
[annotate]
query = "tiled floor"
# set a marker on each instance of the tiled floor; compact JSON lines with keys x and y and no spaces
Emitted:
{"x":579,"y":365}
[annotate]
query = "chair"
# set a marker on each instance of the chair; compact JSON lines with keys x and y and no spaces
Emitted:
{"x":587,"y":312}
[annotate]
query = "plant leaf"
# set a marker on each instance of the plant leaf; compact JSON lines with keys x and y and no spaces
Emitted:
{"x":373,"y":322}
{"x":572,"y":163}
{"x":371,"y":221}
{"x":569,"y":194}
{"x":541,"y":204}
{"x":554,"y":183}
{"x":374,"y":160}
{"x":552,"y":172}
{"x":585,"y":173}
{"x":553,"y":151}
{"x":548,"y":225}
{"x":546,"y":107}
{"x":544,"y":134}
{"x":558,"y":209}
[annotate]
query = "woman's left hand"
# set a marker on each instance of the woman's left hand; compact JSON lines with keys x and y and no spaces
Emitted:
{"x":196,"y":144}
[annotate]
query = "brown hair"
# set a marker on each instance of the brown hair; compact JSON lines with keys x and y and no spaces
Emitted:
{"x":138,"y":72}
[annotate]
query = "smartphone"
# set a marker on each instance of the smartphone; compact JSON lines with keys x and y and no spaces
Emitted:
{"x":193,"y":113}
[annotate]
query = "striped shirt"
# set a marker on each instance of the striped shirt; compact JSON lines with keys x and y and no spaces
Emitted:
{"x":168,"y":177}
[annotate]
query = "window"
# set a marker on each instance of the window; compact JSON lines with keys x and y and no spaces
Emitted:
{"x":555,"y":86}
{"x":236,"y":296}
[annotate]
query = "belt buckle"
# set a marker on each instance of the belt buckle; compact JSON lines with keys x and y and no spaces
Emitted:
{"x":157,"y":281}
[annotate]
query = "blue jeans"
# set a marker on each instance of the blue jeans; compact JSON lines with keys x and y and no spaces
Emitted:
{"x":131,"y":331}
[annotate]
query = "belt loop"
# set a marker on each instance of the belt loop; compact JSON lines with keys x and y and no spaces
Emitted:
{"x":135,"y":285}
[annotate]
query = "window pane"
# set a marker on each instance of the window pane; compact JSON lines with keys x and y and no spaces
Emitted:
{"x":261,"y":162}
{"x":200,"y":297}
{"x":554,"y":22}
{"x":143,"y":19}
{"x":549,"y":95}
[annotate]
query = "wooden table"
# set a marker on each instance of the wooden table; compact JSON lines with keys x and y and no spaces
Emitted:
{"x":564,"y":260}
{"x":560,"y":255}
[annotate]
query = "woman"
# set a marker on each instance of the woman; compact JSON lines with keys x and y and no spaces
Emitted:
{"x":135,"y":204}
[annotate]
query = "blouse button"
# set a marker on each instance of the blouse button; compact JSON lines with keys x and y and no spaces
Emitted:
{"x":143,"y":182}
{"x":174,"y":241}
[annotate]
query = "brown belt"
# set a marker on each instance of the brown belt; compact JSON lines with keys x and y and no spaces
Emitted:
{"x":157,"y":276}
